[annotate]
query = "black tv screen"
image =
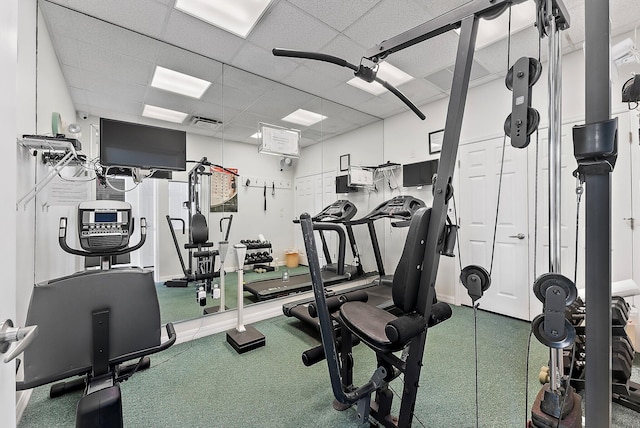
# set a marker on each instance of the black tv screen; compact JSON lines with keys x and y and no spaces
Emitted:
{"x":419,"y":173}
{"x":342,"y":185}
{"x":142,"y":146}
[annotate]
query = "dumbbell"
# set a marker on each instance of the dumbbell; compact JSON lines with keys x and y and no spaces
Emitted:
{"x":619,"y":311}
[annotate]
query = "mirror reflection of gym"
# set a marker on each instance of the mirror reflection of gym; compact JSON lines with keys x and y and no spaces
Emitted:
{"x":233,"y":107}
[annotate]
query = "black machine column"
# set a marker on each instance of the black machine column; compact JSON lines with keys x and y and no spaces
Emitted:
{"x":598,"y":223}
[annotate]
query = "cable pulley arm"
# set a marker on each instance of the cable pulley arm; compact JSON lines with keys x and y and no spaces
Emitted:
{"x":365,"y":73}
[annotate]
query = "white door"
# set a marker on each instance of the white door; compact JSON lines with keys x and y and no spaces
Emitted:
{"x":623,"y":223}
{"x":313,"y":193}
{"x":479,"y":171}
{"x":304,"y":203}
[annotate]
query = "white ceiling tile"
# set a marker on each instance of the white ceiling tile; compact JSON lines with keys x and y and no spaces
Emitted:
{"x":310,"y":79}
{"x":67,"y":53}
{"x":437,"y":8}
{"x":208,"y":110}
{"x":385,"y":20}
{"x":120,"y":67}
{"x":145,"y":16}
{"x":441,"y":79}
{"x":170,"y":100}
{"x":380,"y":107}
{"x":417,"y":90}
{"x":109,"y":102}
{"x":426,"y":57}
{"x":286,"y":26}
{"x":75,"y":77}
{"x":102,"y":84}
{"x":339,"y":14}
{"x":347,"y":94}
{"x":189,"y":63}
{"x":93,"y":31}
{"x":193,"y":34}
{"x":262,"y":61}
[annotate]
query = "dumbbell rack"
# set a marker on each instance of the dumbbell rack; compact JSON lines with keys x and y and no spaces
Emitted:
{"x":624,"y":391}
{"x":254,"y":255}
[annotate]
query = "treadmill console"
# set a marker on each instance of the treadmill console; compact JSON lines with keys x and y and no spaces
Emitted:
{"x":399,"y":207}
{"x":104,"y":225}
{"x":338,"y":212}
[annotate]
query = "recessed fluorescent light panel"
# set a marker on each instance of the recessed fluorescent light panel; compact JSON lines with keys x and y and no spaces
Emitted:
{"x":523,"y":15}
{"x":180,"y":83}
{"x":304,"y":117}
{"x":237,"y":17}
{"x":387,"y":72}
{"x":163,"y":114}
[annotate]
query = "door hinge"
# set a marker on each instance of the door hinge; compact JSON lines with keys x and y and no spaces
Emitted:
{"x":632,"y":222}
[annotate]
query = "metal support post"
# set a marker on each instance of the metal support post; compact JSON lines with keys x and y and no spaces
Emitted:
{"x":598,"y":223}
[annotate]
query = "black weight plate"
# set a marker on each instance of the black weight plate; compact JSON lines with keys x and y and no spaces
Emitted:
{"x":547,"y":280}
{"x":535,"y":71}
{"x":485,"y":278}
{"x":560,"y":342}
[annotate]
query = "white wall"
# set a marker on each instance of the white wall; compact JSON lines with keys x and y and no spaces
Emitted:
{"x":8,"y":79}
{"x":52,"y":96}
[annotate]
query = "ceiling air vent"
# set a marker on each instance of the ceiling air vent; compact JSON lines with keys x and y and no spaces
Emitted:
{"x":206,"y":123}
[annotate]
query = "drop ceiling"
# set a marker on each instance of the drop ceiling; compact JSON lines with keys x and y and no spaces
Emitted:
{"x":108,"y":51}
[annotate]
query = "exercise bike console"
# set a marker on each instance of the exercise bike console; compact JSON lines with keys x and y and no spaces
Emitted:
{"x":104,"y":229}
{"x":104,"y":225}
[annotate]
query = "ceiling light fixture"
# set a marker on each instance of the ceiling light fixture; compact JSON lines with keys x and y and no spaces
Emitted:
{"x":166,"y":114}
{"x":237,"y":17}
{"x":386,"y":72}
{"x":180,"y":83}
{"x":304,"y":117}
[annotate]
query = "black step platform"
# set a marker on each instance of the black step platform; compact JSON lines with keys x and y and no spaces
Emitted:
{"x":247,"y":340}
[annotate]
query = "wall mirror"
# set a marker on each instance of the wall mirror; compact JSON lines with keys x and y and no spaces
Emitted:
{"x":108,"y":69}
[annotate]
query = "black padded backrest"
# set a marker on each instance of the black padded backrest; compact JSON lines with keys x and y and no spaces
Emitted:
{"x":199,"y":229}
{"x":406,"y":279}
{"x":62,"y":309}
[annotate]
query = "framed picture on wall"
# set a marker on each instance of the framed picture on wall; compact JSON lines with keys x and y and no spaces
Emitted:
{"x":345,"y":162}
{"x":435,"y":141}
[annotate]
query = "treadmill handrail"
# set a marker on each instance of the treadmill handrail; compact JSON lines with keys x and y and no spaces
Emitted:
{"x":320,"y":226}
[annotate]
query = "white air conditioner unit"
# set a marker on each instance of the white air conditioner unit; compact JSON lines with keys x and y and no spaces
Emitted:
{"x":206,"y":123}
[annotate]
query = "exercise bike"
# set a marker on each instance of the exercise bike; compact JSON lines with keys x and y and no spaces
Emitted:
{"x":90,"y":322}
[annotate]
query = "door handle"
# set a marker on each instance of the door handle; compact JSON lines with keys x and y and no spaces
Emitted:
{"x":519,"y":236}
{"x":8,"y":334}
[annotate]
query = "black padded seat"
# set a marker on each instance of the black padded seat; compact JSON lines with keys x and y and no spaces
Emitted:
{"x":188,"y":246}
{"x":368,"y":323}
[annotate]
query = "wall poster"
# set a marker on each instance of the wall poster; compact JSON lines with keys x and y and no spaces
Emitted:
{"x":224,"y":190}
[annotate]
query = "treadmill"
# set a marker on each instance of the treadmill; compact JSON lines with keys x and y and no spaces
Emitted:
{"x":399,"y":209}
{"x":339,"y":212}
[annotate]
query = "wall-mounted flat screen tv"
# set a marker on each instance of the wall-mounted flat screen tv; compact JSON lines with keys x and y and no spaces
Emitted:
{"x":142,"y":146}
{"x":342,"y":185}
{"x":419,"y":173}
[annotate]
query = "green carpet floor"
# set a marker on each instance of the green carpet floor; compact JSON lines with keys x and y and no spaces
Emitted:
{"x":179,"y":303}
{"x":204,"y":383}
